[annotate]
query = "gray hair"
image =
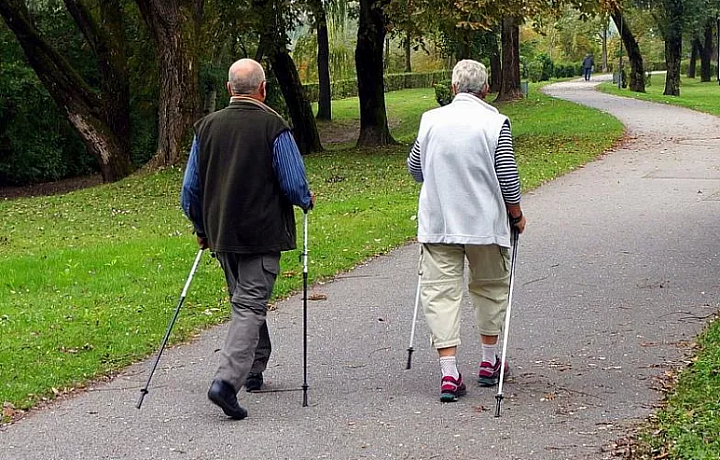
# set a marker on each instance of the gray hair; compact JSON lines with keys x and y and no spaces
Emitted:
{"x":245,"y":76}
{"x":469,"y":76}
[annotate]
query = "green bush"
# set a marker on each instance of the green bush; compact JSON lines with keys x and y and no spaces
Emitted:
{"x":37,"y":144}
{"x":443,"y":92}
{"x":535,"y":71}
{"x":341,"y":89}
{"x":547,"y":66}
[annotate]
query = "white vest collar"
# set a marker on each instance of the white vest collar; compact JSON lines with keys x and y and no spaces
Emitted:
{"x":467,"y":97}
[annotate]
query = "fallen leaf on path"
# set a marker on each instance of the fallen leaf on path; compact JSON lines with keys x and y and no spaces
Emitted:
{"x":318,"y":297}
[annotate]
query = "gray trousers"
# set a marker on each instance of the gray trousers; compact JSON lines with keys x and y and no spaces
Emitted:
{"x":250,"y":280}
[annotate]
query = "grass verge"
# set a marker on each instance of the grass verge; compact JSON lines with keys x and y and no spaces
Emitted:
{"x":703,"y":97}
{"x":90,"y":278}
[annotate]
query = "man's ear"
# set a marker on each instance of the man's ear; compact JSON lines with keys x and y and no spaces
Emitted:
{"x":454,"y":89}
{"x":263,"y":90}
{"x":229,"y":88}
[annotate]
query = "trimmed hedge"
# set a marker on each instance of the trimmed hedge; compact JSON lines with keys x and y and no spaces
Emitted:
{"x":685,"y":64}
{"x":342,"y":89}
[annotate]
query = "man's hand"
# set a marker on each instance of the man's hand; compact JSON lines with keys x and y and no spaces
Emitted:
{"x":202,"y":242}
{"x":312,"y":202}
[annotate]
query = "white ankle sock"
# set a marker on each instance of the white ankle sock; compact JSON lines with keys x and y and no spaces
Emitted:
{"x":448,"y":366}
{"x":489,"y":353}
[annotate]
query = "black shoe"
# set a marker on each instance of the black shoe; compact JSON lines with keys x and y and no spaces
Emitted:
{"x":223,"y":395}
{"x":254,"y":381}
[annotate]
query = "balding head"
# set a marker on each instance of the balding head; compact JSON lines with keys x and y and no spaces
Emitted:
{"x":246,"y":78}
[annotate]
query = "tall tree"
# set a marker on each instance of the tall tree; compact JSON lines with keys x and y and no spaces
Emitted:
{"x":637,"y":70}
{"x":671,"y":26}
{"x":374,"y":130}
{"x":510,"y":38}
{"x":493,"y":49}
{"x":692,"y":65}
{"x":101,"y":120}
{"x":323,"y":60}
{"x":175,"y":27}
{"x":274,"y":20}
{"x":706,"y":51}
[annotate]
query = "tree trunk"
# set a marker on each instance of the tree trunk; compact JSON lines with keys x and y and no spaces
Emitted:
{"x":374,"y":128}
{"x":408,"y":51}
{"x":605,"y":49}
{"x":90,"y":115}
{"x":464,"y":45}
{"x":174,"y":25}
{"x":210,"y":101}
{"x":637,"y":71}
{"x":692,"y":65}
{"x":673,"y":54}
{"x":386,"y":59}
{"x":672,"y":34}
{"x":706,"y":52}
{"x":323,"y":63}
{"x":510,"y":87}
{"x":304,"y":127}
{"x":495,"y":61}
{"x":495,"y":73}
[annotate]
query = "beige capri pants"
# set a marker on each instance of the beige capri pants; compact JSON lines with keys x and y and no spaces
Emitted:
{"x":441,"y":288}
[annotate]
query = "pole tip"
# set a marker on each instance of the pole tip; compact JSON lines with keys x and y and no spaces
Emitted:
{"x":143,"y":392}
{"x":498,"y":400}
{"x":409,"y":360}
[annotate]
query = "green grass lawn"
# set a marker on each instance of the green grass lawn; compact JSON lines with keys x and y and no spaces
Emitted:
{"x":689,"y":424}
{"x":90,"y":278}
{"x":704,"y":97}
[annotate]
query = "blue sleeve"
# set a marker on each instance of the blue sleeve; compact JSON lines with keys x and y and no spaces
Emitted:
{"x":290,"y":171}
{"x":191,"y":194}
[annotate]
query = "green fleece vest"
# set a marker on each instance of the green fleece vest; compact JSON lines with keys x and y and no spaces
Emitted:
{"x":244,"y":210}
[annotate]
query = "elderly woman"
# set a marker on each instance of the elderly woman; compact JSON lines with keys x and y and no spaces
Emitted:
{"x":470,"y":198}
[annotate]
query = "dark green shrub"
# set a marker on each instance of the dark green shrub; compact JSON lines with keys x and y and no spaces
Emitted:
{"x":37,"y":144}
{"x":547,"y":66}
{"x":534,"y":71}
{"x":443,"y":92}
{"x":342,"y":89}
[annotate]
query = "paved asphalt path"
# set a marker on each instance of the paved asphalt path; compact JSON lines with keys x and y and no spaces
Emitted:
{"x":618,"y":272}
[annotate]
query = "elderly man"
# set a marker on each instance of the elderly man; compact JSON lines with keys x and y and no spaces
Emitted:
{"x":243,"y":177}
{"x":469,"y":199}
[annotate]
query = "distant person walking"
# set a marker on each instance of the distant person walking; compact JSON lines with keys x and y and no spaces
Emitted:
{"x":243,"y":177}
{"x":470,"y":197}
{"x":588,"y":64}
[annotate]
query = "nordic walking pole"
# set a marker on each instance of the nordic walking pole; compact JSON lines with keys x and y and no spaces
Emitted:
{"x":412,"y":329}
{"x":499,"y":395}
{"x":144,"y":390}
{"x":305,"y":299}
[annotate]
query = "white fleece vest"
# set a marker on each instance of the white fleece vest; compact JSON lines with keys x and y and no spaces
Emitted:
{"x":460,"y":199}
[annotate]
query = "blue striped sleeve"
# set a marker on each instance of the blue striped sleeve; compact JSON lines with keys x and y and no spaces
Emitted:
{"x":191,"y":194}
{"x":290,"y":171}
{"x":413,"y":162}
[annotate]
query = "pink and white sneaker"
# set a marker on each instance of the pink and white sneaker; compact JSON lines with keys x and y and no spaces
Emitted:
{"x":489,"y":374}
{"x":451,"y":389}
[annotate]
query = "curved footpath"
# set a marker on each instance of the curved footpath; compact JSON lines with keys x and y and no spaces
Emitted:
{"x":617,"y":274}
